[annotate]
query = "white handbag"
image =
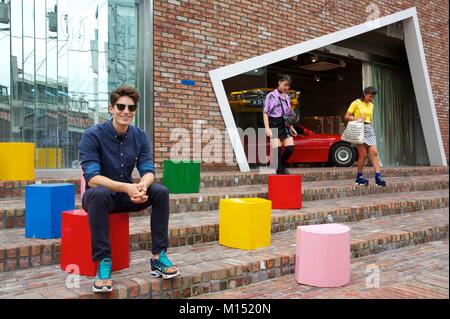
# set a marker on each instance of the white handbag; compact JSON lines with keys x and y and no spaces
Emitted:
{"x":354,"y":132}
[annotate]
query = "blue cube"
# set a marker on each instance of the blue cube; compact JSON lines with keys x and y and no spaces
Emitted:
{"x":44,"y":204}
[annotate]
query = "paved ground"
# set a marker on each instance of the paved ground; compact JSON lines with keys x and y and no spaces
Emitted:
{"x":308,"y":188}
{"x":311,"y":211}
{"x":12,"y":210}
{"x":18,"y":252}
{"x":412,"y":272}
{"x":411,"y":211}
{"x":210,"y":267}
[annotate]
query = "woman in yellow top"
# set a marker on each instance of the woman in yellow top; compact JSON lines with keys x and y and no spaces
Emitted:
{"x":362,"y":110}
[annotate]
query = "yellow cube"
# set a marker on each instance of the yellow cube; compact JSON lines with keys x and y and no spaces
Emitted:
{"x":245,"y":223}
{"x":17,"y":161}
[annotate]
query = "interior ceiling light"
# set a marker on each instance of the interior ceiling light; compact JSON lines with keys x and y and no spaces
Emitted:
{"x":320,"y":66}
{"x":255,"y":72}
{"x":314,"y":58}
{"x":317,"y":78}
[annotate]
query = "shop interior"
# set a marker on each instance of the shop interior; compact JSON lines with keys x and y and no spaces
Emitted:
{"x":327,"y":80}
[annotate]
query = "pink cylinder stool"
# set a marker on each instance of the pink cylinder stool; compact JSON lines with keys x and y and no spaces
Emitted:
{"x":323,"y":255}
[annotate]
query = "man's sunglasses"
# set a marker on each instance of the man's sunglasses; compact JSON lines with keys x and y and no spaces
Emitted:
{"x":131,"y":107}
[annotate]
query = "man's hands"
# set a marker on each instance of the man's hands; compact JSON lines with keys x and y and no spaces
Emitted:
{"x":137,"y":192}
{"x":142,"y":196}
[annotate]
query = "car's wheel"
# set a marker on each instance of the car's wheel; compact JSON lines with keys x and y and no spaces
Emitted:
{"x":342,"y":155}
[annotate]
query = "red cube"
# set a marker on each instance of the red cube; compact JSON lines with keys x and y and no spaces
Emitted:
{"x":76,"y":249}
{"x":285,"y":191}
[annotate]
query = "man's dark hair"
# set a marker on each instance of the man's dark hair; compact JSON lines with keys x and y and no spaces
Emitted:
{"x":368,"y":90}
{"x":124,"y":90}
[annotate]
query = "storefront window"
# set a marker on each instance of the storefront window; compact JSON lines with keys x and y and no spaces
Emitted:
{"x":324,"y":83}
{"x":59,"y":59}
{"x":246,"y":94}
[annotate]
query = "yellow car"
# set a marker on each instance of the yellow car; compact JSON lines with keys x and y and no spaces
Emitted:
{"x":253,"y":100}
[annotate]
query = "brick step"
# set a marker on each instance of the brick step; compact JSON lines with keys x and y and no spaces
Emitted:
{"x":256,"y":176}
{"x":423,"y":269}
{"x":13,"y":210}
{"x":18,"y":252}
{"x":210,"y":267}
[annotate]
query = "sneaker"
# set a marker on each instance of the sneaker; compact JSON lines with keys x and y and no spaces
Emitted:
{"x":103,"y":282}
{"x":380,"y":183}
{"x":163,"y":267}
{"x":361,"y":181}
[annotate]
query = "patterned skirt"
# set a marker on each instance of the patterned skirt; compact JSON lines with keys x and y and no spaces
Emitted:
{"x":369,"y":135}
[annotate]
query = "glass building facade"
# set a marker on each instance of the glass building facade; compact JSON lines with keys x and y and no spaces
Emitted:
{"x":59,"y":60}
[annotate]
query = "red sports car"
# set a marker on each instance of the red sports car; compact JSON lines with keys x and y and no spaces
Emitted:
{"x":311,"y":147}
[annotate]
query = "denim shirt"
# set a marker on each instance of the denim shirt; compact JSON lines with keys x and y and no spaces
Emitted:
{"x":272,"y":102}
{"x":104,"y":152}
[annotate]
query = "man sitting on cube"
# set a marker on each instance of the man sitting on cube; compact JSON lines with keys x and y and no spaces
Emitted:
{"x":108,"y":154}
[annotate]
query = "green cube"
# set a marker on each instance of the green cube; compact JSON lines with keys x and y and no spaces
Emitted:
{"x":182,"y":177}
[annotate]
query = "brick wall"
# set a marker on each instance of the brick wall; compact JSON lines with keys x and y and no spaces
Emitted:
{"x":193,"y":37}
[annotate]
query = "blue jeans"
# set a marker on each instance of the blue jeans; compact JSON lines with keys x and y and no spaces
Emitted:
{"x":98,"y":202}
